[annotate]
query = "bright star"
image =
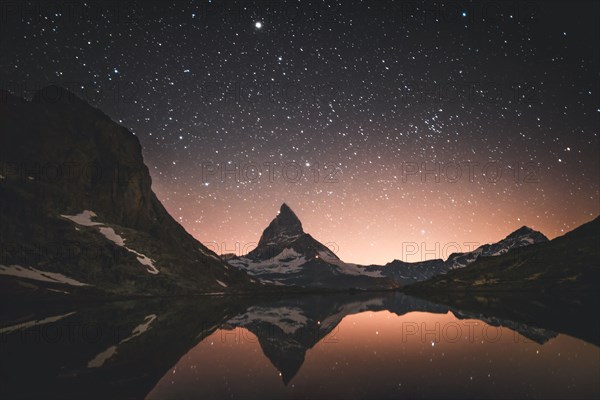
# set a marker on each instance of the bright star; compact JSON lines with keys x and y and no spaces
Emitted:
{"x":258,"y":25}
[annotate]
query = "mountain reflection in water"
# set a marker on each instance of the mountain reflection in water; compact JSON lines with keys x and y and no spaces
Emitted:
{"x":369,"y":345}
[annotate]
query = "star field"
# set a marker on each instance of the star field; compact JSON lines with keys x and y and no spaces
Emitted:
{"x":379,"y":123}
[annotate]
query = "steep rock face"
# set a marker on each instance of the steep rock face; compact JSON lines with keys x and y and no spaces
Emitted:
{"x":286,"y":255}
{"x":77,"y":200}
{"x":283,"y":230}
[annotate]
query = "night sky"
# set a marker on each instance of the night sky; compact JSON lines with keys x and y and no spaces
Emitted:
{"x":342,"y":107}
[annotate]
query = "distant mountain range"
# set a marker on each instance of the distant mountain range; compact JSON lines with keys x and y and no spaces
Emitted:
{"x":286,"y":255}
{"x":567,"y":263}
{"x":78,"y":214}
{"x":406,"y":273}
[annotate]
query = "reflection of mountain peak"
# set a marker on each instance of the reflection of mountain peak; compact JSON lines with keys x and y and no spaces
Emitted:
{"x":285,"y":332}
{"x":287,"y":328}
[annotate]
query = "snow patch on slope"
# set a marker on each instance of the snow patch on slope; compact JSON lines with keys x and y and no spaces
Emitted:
{"x":85,"y":219}
{"x":528,"y":240}
{"x":221,"y":283}
{"x":284,"y":238}
{"x":346,"y":268}
{"x":287,"y":262}
{"x":144,"y":260}
{"x":209,"y":254}
{"x":111,"y":235}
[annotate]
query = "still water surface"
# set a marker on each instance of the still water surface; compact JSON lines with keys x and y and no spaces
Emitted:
{"x":316,"y":346}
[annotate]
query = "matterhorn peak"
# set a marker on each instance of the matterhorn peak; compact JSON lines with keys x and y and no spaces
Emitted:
{"x":283,"y":230}
{"x":286,"y":212}
{"x":285,"y":225}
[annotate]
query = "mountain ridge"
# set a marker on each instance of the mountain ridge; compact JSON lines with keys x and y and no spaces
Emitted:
{"x":405,"y":273}
{"x":285,"y":254}
{"x":78,"y":202}
{"x":567,"y":262}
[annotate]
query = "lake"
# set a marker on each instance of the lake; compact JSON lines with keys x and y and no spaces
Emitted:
{"x":367,"y":345}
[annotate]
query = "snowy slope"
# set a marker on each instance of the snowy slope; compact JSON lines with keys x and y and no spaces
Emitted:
{"x":286,"y":255}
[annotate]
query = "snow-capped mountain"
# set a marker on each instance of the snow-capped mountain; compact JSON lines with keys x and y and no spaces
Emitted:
{"x":286,"y":255}
{"x":522,"y":237}
{"x":406,"y":273}
{"x":566,"y":263}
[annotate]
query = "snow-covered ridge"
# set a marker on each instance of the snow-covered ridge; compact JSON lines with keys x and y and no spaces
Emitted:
{"x":209,"y":254}
{"x":520,"y":238}
{"x":287,"y":262}
{"x":37,"y":275}
{"x":85,"y":219}
{"x":283,"y":238}
{"x":347,"y":268}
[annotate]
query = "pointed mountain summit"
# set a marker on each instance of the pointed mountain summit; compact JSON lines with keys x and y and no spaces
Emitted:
{"x":285,"y":228}
{"x":286,"y":255}
{"x":285,"y":233}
